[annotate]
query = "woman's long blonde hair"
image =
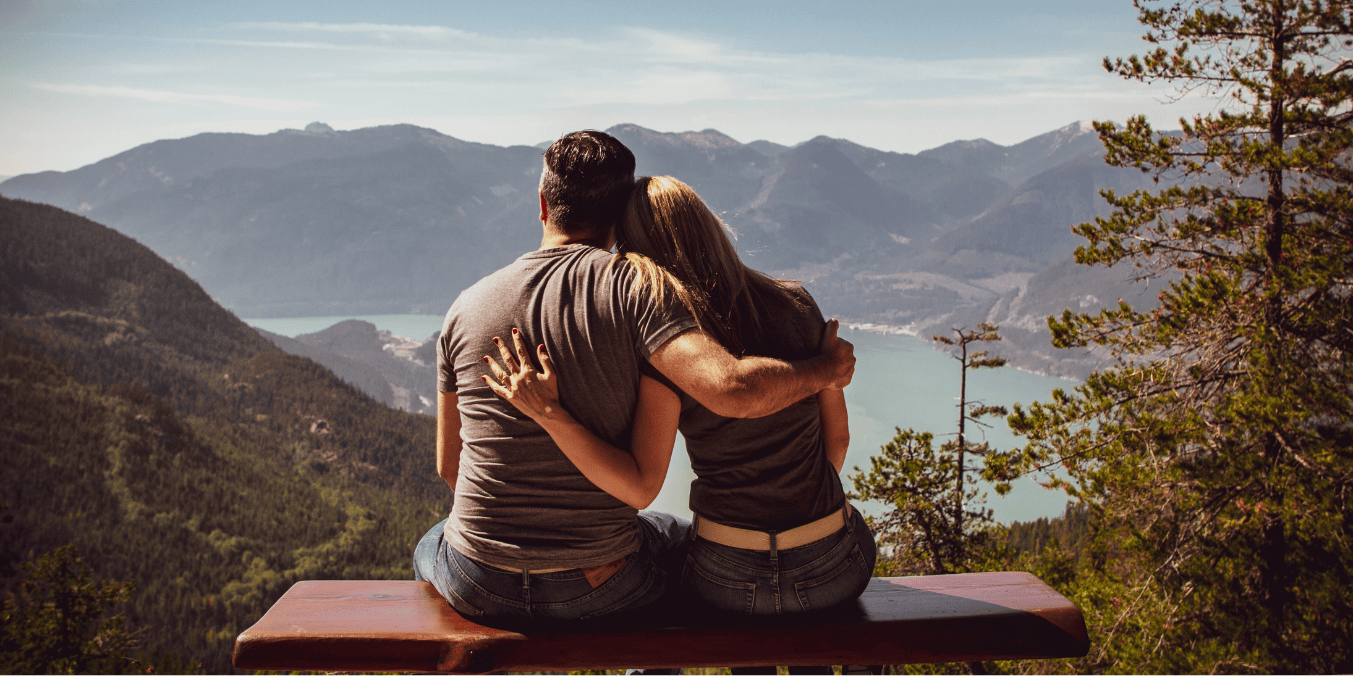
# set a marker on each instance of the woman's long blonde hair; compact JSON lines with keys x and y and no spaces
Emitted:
{"x":679,"y":247}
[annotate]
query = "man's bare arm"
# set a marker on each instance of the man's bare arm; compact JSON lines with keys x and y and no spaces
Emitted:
{"x":448,"y":438}
{"x":752,"y":387}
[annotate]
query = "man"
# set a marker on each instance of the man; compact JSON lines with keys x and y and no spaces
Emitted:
{"x":529,"y":537}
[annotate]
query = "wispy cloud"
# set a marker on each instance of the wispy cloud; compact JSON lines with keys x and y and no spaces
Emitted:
{"x":624,"y":65}
{"x":642,"y":65}
{"x":654,"y":45}
{"x":381,"y":31}
{"x":161,"y":96}
{"x":664,"y":87}
{"x":296,"y":44}
{"x":635,"y":49}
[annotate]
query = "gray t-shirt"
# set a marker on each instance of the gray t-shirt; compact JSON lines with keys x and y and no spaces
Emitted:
{"x":770,"y":473}
{"x":520,"y":502}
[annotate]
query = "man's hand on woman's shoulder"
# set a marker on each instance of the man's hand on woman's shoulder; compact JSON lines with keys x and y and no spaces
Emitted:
{"x":839,"y":354}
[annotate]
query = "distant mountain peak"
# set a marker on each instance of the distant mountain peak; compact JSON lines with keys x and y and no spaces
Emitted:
{"x":1075,"y":129}
{"x":631,"y":128}
{"x":706,"y":139}
{"x":319,"y":128}
{"x":973,"y":143}
{"x":768,"y":148}
{"x":1079,"y":133}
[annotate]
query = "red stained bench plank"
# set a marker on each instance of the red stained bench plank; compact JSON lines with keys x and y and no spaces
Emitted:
{"x":407,"y":626}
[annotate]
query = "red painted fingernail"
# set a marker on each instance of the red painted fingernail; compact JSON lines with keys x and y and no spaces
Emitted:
{"x":495,"y":340}
{"x":486,"y":357}
{"x":514,"y":331}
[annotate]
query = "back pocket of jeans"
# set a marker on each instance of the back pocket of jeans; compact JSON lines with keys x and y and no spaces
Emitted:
{"x":715,"y":591}
{"x":842,"y":583}
{"x":646,"y":594}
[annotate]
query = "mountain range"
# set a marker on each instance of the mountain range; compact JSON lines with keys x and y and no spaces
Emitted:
{"x":400,"y":219}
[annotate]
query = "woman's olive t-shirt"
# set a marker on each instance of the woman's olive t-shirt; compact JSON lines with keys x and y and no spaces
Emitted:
{"x":770,"y":473}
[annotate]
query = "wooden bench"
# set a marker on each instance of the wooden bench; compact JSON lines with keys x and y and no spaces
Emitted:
{"x":408,"y":627}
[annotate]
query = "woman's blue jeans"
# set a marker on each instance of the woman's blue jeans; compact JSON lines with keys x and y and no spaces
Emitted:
{"x":493,"y":596}
{"x":815,"y":576}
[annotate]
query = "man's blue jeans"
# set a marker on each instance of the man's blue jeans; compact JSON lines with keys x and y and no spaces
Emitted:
{"x":815,"y":576}
{"x":493,"y":596}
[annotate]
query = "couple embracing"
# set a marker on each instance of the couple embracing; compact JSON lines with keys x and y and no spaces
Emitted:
{"x":555,"y":443}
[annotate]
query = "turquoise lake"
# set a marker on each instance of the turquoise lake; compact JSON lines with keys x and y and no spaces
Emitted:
{"x":900,"y":381}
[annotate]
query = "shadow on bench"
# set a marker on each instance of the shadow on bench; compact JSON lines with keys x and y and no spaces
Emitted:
{"x":407,"y":626}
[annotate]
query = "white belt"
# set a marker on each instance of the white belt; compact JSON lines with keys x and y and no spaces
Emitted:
{"x":743,"y":538}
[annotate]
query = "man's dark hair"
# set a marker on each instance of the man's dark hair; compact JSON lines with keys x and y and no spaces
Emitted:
{"x":587,"y":181}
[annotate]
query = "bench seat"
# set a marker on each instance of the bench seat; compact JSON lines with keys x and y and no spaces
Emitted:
{"x":364,"y":626}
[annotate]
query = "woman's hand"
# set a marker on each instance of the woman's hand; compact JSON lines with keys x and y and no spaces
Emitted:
{"x":535,"y":393}
{"x":633,"y":475}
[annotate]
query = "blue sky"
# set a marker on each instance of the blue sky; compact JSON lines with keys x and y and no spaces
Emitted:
{"x":81,"y":80}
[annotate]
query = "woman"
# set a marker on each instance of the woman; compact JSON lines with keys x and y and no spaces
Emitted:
{"x":773,"y":532}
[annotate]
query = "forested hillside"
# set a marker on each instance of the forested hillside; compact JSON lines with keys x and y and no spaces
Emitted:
{"x":179,"y":450}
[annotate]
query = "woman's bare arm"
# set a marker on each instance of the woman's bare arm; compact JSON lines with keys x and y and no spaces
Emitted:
{"x":635,"y":477}
{"x":832,"y":416}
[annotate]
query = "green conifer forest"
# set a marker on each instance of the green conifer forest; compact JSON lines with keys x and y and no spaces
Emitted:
{"x":171,"y":448}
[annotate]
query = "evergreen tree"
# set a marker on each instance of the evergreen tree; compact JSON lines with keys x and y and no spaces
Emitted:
{"x":59,"y":622}
{"x":1217,"y":450}
{"x":938,"y":522}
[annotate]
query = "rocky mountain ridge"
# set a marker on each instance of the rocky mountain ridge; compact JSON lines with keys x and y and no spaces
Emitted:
{"x":395,"y":370}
